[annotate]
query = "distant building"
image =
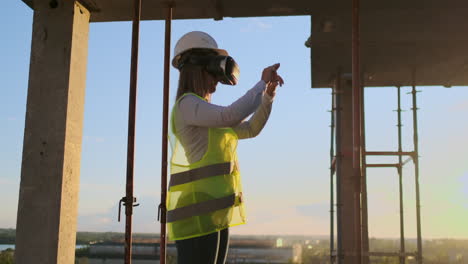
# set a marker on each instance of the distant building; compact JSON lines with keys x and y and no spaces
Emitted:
{"x":240,"y":251}
{"x":265,"y":255}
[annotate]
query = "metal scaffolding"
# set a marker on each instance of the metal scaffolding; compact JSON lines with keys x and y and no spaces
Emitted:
{"x":335,"y":156}
{"x":67,"y":25}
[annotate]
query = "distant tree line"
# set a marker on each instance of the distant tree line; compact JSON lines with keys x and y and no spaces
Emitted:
{"x":436,"y":251}
{"x":7,"y":236}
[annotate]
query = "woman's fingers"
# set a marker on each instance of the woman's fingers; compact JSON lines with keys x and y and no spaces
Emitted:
{"x":271,"y":88}
{"x":279,"y":79}
{"x":275,"y":76}
{"x":269,"y":73}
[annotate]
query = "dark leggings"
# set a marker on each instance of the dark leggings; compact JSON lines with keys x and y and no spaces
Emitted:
{"x":208,"y":249}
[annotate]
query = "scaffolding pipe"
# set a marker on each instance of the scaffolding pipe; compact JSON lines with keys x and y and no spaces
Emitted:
{"x":364,"y":208}
{"x":416,"y":170}
{"x":400,"y":179}
{"x":332,"y":172}
{"x":339,"y":158}
{"x":383,"y":165}
{"x":165,"y":119}
{"x":390,"y":153}
{"x":356,"y":106}
{"x":129,"y":199}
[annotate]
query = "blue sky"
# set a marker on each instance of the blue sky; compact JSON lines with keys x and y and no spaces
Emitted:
{"x":285,"y":169}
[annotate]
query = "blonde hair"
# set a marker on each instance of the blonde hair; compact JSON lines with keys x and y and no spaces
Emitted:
{"x":192,"y":79}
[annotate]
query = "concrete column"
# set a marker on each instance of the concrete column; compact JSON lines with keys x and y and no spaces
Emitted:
{"x":48,"y":198}
{"x":346,"y":184}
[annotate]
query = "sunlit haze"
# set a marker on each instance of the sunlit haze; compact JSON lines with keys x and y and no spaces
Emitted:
{"x":285,"y":169}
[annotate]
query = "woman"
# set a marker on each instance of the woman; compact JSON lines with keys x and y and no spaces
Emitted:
{"x":205,"y":193}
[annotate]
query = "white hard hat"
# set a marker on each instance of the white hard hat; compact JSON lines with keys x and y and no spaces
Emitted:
{"x":195,"y":40}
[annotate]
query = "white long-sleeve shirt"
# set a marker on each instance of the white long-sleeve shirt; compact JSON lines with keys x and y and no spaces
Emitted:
{"x":195,"y":116}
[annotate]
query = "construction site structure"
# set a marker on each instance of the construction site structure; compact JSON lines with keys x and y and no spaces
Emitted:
{"x":381,"y":43}
{"x":339,"y":159}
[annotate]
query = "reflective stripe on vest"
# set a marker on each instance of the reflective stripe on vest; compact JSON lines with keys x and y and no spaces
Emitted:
{"x":200,"y":173}
{"x":201,"y":208}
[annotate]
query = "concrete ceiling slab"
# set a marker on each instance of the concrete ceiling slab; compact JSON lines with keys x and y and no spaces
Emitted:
{"x":399,"y":38}
{"x":121,"y":10}
{"x":427,"y":42}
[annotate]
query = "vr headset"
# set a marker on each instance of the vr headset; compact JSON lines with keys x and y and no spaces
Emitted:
{"x":224,"y":68}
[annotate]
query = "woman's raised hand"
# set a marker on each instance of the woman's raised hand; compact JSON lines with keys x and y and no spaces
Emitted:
{"x":272,"y":79}
{"x":271,"y":88}
{"x":270,"y":75}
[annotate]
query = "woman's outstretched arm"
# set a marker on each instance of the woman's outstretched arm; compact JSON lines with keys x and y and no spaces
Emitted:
{"x":253,"y":127}
{"x":198,"y":112}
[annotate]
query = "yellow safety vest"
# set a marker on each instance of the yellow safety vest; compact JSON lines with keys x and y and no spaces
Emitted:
{"x":205,"y":196}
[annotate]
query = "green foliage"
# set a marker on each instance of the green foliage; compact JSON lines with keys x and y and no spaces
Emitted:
{"x":81,"y":261}
{"x":83,"y":238}
{"x":7,"y":236}
{"x":437,"y":251}
{"x":6,"y":256}
{"x":442,"y":251}
{"x":82,"y":252}
{"x":170,"y":259}
{"x":315,"y":254}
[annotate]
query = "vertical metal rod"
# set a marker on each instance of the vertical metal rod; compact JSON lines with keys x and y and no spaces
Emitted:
{"x":332,"y":194}
{"x":364,"y":211}
{"x":416,"y":169}
{"x":356,"y":105}
{"x":311,"y":52}
{"x":131,"y":130}
{"x":339,"y":158}
{"x":162,"y":206}
{"x":400,"y":179}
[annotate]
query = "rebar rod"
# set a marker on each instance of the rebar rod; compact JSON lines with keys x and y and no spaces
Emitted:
{"x":311,"y":50}
{"x":131,"y":131}
{"x":364,"y":207}
{"x":332,"y":172}
{"x":382,"y":165}
{"x":400,"y":179}
{"x":164,"y":138}
{"x":356,"y":108}
{"x":339,"y":169}
{"x":416,"y":170}
{"x":390,"y":153}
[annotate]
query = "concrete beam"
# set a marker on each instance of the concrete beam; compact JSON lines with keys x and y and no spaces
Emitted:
{"x":346,"y":183}
{"x":48,"y":198}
